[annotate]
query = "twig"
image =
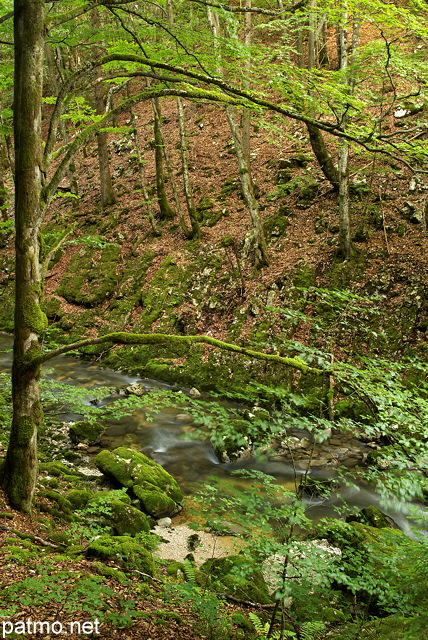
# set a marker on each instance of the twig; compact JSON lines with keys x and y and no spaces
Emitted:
{"x":29,"y":536}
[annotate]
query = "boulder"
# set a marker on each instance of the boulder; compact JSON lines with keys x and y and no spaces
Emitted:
{"x":158,"y":492}
{"x":124,"y":550}
{"x":119,"y":514}
{"x":86,"y":432}
{"x":235,"y":576}
{"x":136,"y":389}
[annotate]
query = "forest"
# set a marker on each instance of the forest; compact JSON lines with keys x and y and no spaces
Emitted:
{"x":213,"y":319}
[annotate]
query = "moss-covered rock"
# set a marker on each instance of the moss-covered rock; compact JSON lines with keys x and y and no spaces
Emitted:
{"x":122,"y":549}
{"x":119,"y":514}
{"x":156,"y":489}
{"x":54,"y":468}
{"x":91,"y":276}
{"x":86,"y":432}
{"x":236,"y":576}
{"x":109,"y":572}
{"x":78,"y":498}
{"x":371,"y":516}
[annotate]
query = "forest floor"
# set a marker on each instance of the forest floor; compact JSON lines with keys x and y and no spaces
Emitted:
{"x":42,"y":582}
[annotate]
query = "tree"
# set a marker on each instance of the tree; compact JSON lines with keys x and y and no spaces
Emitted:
{"x":34,"y":191}
{"x":20,"y":468}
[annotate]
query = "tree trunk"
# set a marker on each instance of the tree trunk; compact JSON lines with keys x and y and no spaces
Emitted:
{"x":260,"y":250}
{"x":166,"y":212}
{"x":344,"y":220}
{"x":343,"y":155}
{"x":142,"y":175}
{"x":3,"y":195}
{"x":245,"y":120}
{"x":188,"y":192}
{"x":20,"y":468}
{"x":258,"y":239}
{"x":106,"y":186}
{"x":322,"y":155}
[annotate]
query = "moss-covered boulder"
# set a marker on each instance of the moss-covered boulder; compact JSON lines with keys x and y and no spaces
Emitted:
{"x":56,"y":468}
{"x":78,"y":498}
{"x":117,"y":512}
{"x":373,"y":517}
{"x":122,"y":549}
{"x":235,"y":576}
{"x":86,"y":432}
{"x":158,"y":492}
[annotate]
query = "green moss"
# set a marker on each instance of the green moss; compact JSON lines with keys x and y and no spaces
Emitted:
{"x":135,"y":471}
{"x":78,"y":498}
{"x":154,"y":501}
{"x":109,"y":572}
{"x":119,"y":514}
{"x":236,"y":576}
{"x":123,"y":549}
{"x":34,"y":318}
{"x":275,"y":227}
{"x":54,"y":468}
{"x":86,"y":432}
{"x":91,"y":276}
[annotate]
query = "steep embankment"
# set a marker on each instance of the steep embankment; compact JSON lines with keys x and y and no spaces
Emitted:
{"x":112,"y":274}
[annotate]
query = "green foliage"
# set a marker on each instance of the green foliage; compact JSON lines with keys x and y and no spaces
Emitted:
{"x":93,"y":517}
{"x":211,"y":617}
{"x":67,"y":593}
{"x":262,"y":629}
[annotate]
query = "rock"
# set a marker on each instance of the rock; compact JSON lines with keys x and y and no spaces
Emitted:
{"x":78,"y":498}
{"x":119,"y":514}
{"x":373,"y":517}
{"x":184,"y":417}
{"x":410,"y":213}
{"x":88,"y":433}
{"x":158,"y":492}
{"x":164,"y":523}
{"x":224,"y":570}
{"x":124,"y":550}
{"x":283,"y":176}
{"x":284,"y":163}
{"x":136,"y":389}
{"x":194,"y":393}
{"x":90,"y":473}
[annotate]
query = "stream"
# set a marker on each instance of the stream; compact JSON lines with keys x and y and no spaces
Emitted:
{"x":191,"y":462}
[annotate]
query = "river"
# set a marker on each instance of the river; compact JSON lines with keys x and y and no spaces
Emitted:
{"x":190,"y":461}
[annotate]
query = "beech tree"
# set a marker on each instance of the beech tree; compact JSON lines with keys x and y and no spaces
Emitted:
{"x":20,"y":467}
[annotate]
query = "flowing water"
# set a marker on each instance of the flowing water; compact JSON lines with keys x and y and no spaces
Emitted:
{"x":165,"y":439}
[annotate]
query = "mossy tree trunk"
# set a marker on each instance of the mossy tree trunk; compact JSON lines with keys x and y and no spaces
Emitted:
{"x":20,"y":469}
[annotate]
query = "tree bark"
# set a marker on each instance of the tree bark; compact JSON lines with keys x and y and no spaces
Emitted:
{"x":19,"y":473}
{"x":106,"y":185}
{"x":322,"y":155}
{"x":188,"y":192}
{"x":165,"y":210}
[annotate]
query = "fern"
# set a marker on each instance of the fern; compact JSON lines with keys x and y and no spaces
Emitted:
{"x":262,"y":629}
{"x":311,"y":630}
{"x":189,"y":571}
